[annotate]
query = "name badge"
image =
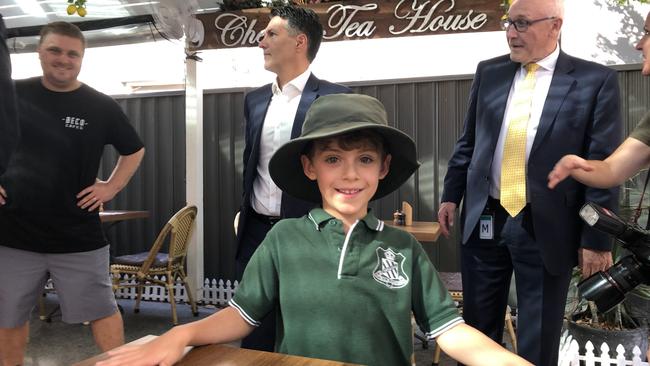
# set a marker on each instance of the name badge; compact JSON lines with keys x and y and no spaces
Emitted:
{"x":486,"y":227}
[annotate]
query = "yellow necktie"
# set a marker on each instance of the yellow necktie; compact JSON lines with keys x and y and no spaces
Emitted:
{"x":513,"y":165}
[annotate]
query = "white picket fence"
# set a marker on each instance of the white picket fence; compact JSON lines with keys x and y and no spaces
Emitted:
{"x":218,"y":292}
{"x":214,"y":292}
{"x":570,"y":356}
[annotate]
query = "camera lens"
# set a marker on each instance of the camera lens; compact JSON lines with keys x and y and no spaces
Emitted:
{"x":608,"y":288}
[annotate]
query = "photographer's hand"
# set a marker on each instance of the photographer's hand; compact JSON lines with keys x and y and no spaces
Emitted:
{"x":626,"y":161}
{"x":591,"y":261}
{"x":565,"y":167}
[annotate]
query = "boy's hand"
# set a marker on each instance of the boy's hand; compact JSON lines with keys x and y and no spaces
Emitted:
{"x":162,"y":351}
{"x":564,"y":167}
{"x":446,"y":215}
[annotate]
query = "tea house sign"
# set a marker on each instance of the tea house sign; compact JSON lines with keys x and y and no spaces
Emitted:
{"x":361,"y":19}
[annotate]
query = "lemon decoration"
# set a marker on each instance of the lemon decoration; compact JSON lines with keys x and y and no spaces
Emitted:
{"x":77,"y":6}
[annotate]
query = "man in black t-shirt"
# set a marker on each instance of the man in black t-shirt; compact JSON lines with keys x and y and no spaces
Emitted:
{"x":49,"y":219}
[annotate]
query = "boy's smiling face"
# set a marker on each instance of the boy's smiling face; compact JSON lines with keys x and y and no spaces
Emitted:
{"x":347,"y":178}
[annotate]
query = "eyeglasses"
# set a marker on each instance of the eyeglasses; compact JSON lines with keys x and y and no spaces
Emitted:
{"x":521,"y":25}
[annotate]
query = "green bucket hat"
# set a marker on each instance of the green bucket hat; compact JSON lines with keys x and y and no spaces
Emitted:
{"x":337,"y":114}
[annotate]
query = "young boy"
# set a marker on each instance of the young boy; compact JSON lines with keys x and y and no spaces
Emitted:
{"x":343,"y":283}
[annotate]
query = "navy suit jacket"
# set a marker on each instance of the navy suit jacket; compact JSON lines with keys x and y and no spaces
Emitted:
{"x":580,"y":116}
{"x":256,"y":104}
{"x":8,"y":111}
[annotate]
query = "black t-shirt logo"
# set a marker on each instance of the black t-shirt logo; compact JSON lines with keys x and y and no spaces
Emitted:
{"x":74,"y":122}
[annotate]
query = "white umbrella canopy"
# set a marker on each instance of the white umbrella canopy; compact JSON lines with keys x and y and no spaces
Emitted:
{"x":105,"y":22}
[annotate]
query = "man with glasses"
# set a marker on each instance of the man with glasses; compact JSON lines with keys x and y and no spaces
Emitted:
{"x":526,"y":110}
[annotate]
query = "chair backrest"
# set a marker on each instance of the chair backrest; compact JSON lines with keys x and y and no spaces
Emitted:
{"x":179,"y":228}
{"x":182,"y":227}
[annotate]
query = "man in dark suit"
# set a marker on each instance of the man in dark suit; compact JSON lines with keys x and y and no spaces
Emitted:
{"x":8,"y":117}
{"x":568,"y":106}
{"x":274,"y":114}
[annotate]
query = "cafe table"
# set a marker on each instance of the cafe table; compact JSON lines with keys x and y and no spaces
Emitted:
{"x":226,"y":355}
{"x":115,"y":216}
{"x":423,"y":231}
{"x":110,"y":218}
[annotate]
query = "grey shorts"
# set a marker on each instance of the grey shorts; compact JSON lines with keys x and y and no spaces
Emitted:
{"x":81,"y":281}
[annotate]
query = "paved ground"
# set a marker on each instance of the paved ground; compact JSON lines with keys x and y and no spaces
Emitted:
{"x":58,"y":343}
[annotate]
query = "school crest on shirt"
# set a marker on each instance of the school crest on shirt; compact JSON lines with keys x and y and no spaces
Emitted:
{"x":389,"y":270}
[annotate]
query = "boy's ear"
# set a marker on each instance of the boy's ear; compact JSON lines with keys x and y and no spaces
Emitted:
{"x":385,"y":166}
{"x":307,"y":167}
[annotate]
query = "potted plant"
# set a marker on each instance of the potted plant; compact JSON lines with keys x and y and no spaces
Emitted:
{"x":634,"y":201}
{"x":617,"y":326}
{"x":627,"y":322}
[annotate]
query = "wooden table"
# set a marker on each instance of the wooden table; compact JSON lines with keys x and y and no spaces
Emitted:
{"x":121,"y":215}
{"x":223,"y":355}
{"x":421,"y":230}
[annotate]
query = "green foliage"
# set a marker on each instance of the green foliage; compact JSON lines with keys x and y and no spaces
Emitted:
{"x":505,"y":4}
{"x":627,"y":2}
{"x":78,"y":3}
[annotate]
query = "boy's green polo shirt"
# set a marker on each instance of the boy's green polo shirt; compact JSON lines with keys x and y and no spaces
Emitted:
{"x":344,"y":298}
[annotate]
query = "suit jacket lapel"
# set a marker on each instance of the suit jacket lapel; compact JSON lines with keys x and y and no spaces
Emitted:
{"x":260,"y":106}
{"x":500,"y":82}
{"x":309,"y":94}
{"x":557,"y":92}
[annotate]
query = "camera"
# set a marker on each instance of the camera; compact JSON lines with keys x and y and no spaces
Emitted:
{"x":608,"y":288}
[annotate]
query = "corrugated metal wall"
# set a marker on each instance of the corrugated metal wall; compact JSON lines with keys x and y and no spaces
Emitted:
{"x":223,"y":138}
{"x":159,"y":185}
{"x":431,"y":111}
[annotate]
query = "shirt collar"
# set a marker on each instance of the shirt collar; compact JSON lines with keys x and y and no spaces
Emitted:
{"x":298,"y":83}
{"x":548,"y":63}
{"x":319,"y":217}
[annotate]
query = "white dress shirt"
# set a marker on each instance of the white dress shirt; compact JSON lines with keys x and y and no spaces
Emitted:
{"x":278,"y":123}
{"x":544,"y":75}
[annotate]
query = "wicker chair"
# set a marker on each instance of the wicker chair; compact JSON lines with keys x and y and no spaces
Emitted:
{"x":142,"y":267}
